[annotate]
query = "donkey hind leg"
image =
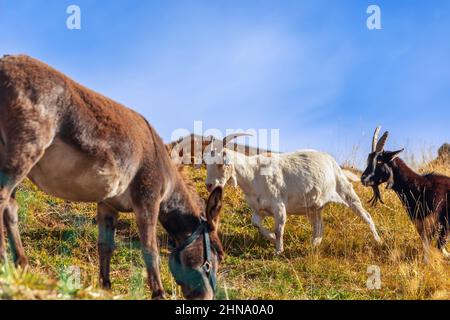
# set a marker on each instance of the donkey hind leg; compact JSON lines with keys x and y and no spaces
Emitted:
{"x":20,"y":158}
{"x":147,"y":220}
{"x":107,"y":222}
{"x":22,"y":147}
{"x":351,"y":199}
{"x":11,"y":222}
{"x":24,"y":142}
{"x":2,"y":234}
{"x":257,"y":221}
{"x":316,"y":220}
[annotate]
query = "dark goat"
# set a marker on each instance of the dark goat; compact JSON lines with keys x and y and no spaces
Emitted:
{"x":425,"y":197}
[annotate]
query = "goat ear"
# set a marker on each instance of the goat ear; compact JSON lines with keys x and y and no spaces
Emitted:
{"x":226,"y":160}
{"x":213,"y":208}
{"x":224,"y":157}
{"x":391,"y":155}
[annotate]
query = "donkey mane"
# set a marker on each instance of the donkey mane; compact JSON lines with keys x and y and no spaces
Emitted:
{"x":191,"y":189}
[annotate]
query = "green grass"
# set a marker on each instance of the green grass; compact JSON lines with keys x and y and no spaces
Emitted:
{"x":58,"y":235}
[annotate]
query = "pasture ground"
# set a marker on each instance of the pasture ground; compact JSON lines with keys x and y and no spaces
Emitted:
{"x":60,"y":241}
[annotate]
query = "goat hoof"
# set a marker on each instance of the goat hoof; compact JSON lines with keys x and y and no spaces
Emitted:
{"x":317,"y":242}
{"x":378,"y":240}
{"x":271,"y":237}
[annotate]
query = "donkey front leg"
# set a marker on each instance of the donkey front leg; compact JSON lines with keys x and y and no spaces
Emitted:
{"x":11,"y":221}
{"x":147,"y":219}
{"x":107,"y":222}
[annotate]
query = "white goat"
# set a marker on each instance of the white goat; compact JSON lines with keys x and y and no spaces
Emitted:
{"x":298,"y":183}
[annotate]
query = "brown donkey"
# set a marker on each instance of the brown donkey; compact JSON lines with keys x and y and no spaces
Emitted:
{"x":78,"y":145}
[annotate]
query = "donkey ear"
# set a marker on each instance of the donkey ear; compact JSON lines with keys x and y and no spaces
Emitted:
{"x":213,"y":208}
{"x":391,"y":155}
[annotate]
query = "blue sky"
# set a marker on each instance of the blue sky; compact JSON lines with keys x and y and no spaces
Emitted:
{"x":309,"y":68}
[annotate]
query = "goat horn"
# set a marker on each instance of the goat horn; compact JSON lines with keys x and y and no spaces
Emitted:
{"x":233,"y":136}
{"x":375,"y":138}
{"x":382,"y":142}
{"x":182,"y":143}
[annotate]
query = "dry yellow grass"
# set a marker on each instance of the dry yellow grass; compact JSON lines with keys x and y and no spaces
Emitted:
{"x":58,"y":235}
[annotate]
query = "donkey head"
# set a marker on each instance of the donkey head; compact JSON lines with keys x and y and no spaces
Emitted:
{"x":379,"y":168}
{"x":195,"y":261}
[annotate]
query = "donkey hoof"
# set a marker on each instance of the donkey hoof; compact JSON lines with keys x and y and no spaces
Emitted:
{"x":21,"y":262}
{"x":159,"y":295}
{"x":106,"y":285}
{"x":3,"y":257}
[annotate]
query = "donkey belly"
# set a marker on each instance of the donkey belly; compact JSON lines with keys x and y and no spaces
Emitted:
{"x":67,"y":173}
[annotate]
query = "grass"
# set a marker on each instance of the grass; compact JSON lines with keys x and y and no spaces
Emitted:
{"x":60,"y":241}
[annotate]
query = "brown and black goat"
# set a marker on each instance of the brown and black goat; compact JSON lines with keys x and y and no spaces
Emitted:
{"x":425,"y":197}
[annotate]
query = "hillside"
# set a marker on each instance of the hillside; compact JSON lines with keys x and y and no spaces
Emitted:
{"x":58,"y":235}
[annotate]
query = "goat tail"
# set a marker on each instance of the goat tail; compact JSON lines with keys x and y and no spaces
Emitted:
{"x":351,"y":176}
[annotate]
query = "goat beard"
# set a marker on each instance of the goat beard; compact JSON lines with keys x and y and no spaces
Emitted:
{"x":376,"y":196}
